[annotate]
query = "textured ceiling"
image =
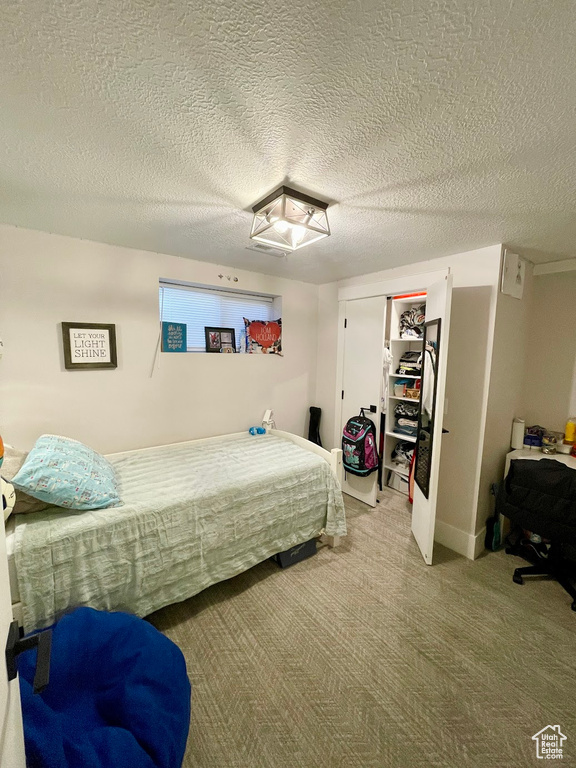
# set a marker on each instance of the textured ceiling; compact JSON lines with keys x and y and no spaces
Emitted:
{"x":431,"y":126}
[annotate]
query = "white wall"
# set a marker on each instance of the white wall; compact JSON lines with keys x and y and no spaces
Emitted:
{"x":476,"y":277}
{"x":46,"y":279}
{"x":508,"y":375}
{"x":550,"y":382}
{"x":326,"y":360}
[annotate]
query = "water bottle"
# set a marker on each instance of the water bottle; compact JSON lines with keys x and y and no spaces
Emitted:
{"x":570,"y":431}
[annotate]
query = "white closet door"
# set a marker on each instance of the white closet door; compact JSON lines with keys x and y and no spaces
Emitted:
{"x":362,"y":378}
{"x":438,"y":303}
{"x":11,"y":733}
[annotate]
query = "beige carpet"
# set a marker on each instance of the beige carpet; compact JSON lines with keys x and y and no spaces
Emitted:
{"x":363,"y":656}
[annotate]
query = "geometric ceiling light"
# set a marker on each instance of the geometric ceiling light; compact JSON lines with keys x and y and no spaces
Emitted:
{"x":289,"y":220}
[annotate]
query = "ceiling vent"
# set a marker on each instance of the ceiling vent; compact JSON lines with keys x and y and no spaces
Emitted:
{"x":268,"y":249}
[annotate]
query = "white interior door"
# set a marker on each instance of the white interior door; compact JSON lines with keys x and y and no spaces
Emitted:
{"x":438,"y":302}
{"x":11,"y":733}
{"x":362,"y":377}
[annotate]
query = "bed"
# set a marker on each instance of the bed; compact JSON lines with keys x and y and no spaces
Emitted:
{"x":193,"y":514}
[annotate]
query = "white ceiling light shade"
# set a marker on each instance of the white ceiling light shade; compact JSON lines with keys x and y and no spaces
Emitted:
{"x":289,"y":220}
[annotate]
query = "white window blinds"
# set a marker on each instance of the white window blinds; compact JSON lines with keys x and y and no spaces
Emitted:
{"x":199,"y":307}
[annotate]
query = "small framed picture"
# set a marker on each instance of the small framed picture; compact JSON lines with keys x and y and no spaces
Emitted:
{"x":89,"y":345}
{"x":220,"y":339}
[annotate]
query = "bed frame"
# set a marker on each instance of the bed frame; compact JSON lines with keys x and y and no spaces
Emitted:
{"x":333,"y":458}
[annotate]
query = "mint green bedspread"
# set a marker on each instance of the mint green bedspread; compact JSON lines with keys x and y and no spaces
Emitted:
{"x":192,"y":515}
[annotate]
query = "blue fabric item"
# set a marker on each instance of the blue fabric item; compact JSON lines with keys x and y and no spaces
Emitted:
{"x":67,"y":473}
{"x":119,"y":696}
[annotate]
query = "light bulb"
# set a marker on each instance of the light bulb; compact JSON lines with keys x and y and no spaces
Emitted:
{"x":281,"y":226}
{"x":298,"y":234}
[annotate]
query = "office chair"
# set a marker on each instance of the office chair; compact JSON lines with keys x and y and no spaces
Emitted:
{"x":540,"y":497}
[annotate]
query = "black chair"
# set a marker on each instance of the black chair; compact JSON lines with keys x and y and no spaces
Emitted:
{"x":540,"y":497}
{"x":548,"y":561}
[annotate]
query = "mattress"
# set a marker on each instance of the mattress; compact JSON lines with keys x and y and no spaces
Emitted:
{"x":192,"y":515}
{"x":10,"y":542}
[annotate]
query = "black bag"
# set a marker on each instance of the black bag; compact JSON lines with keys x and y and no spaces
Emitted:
{"x":360,"y":452}
{"x":314,"y":426}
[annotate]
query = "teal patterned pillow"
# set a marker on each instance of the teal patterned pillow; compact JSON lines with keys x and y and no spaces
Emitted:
{"x":67,"y":473}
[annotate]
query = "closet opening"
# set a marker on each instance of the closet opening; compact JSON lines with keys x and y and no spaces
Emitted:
{"x":401,"y":388}
{"x":391,"y":364}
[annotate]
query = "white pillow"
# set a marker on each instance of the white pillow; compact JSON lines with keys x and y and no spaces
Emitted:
{"x":8,"y":497}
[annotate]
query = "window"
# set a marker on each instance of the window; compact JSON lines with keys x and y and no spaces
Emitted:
{"x":198,"y":306}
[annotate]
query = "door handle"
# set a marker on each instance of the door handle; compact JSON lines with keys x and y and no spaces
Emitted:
{"x":14,"y":647}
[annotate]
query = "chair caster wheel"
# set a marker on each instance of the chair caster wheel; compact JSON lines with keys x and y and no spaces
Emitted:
{"x":519,"y":580}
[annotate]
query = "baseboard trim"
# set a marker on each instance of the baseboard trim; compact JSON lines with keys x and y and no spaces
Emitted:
{"x":458,"y":540}
{"x":479,"y":545}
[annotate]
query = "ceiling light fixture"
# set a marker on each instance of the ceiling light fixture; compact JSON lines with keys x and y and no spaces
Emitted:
{"x":289,"y":220}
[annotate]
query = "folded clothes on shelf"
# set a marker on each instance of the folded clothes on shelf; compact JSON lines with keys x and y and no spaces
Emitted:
{"x":402,"y":454}
{"x":410,"y":364}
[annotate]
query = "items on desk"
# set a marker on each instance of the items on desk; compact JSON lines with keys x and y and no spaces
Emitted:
{"x":533,"y":436}
{"x":518,"y":428}
{"x":570,"y":431}
{"x":538,"y":438}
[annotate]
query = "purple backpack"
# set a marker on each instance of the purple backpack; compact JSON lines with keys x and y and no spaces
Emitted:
{"x":360,"y":455}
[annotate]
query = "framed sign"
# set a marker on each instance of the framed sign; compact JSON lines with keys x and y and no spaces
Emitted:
{"x":174,"y":337}
{"x":220,"y":339}
{"x":89,"y":345}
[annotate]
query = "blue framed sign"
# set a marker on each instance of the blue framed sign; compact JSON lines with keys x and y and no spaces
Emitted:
{"x":174,"y":337}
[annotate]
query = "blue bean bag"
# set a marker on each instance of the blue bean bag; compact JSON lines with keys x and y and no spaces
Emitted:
{"x":118,"y":696}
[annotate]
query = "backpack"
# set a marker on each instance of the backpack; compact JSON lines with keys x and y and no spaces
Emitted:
{"x":360,"y":455}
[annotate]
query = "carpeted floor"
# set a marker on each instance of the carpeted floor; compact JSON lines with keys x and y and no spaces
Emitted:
{"x":364,"y":657}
